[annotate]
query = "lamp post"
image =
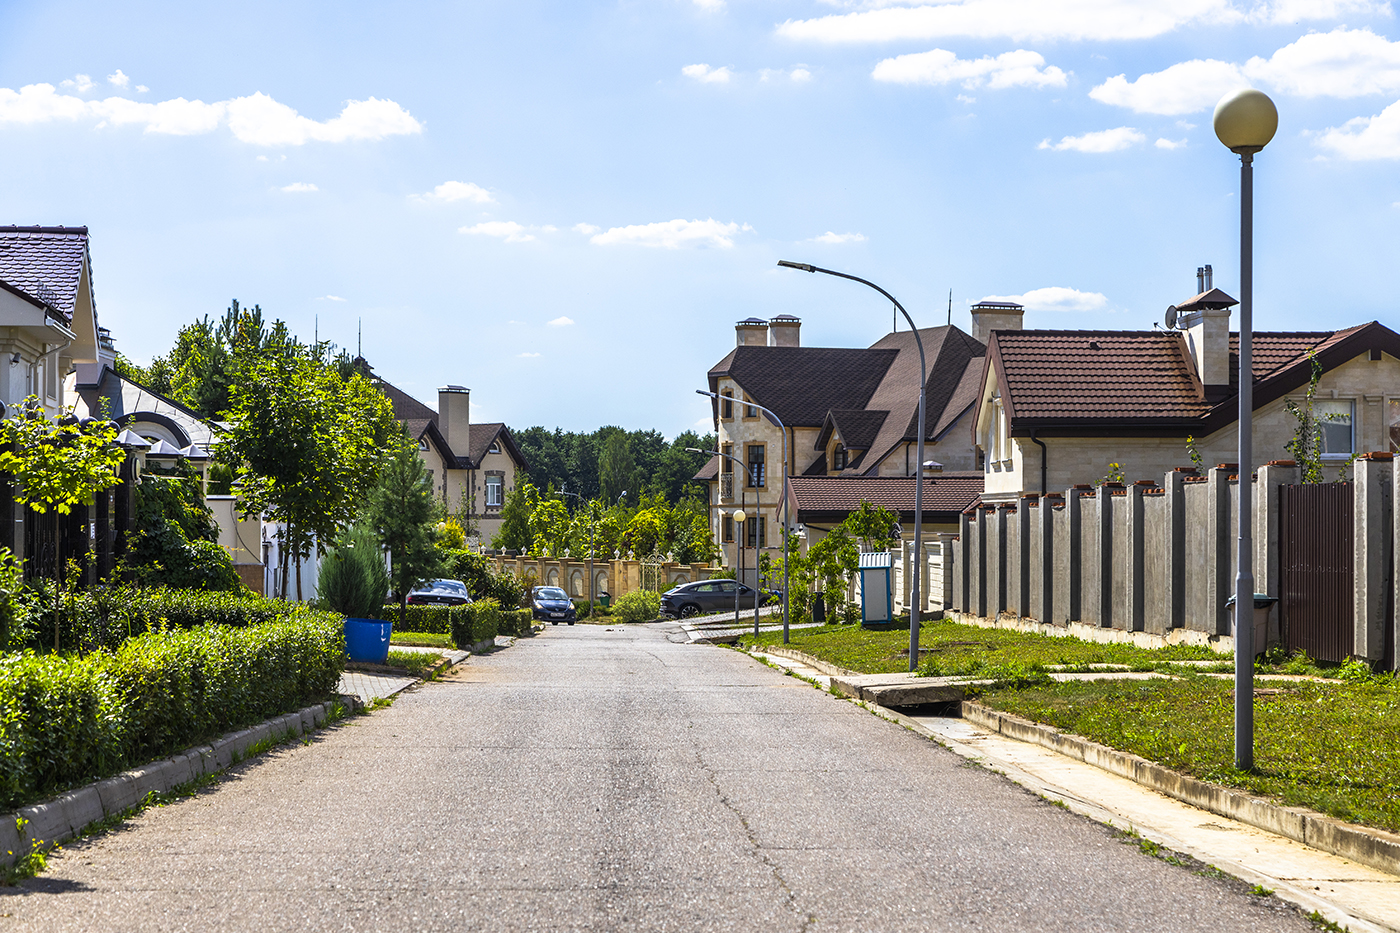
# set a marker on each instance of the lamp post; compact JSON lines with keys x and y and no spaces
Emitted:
{"x":1245,"y":121}
{"x":786,"y":517}
{"x":739,"y":518}
{"x":740,"y":543}
{"x":915,"y":607}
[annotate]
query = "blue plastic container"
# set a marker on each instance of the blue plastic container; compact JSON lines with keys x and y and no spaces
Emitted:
{"x":368,"y":640}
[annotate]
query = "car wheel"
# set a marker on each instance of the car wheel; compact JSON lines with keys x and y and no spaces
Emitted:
{"x":689,"y":610}
{"x":571,"y":621}
{"x":554,"y":623}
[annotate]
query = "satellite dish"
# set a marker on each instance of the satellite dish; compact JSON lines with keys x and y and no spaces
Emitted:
{"x":1172,"y":314}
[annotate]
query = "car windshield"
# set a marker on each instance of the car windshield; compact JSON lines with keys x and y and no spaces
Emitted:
{"x":446,"y":586}
{"x":552,"y":592}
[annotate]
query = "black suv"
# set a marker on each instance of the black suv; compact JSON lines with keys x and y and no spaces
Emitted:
{"x":551,"y":604}
{"x":693,"y":599}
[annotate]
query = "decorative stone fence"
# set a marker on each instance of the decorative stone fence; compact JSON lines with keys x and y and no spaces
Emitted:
{"x":1155,"y":563}
{"x":614,"y":577}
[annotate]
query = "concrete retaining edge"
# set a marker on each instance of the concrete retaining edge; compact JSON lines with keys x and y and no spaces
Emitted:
{"x":62,"y":818}
{"x":792,"y":654}
{"x":1373,"y":847}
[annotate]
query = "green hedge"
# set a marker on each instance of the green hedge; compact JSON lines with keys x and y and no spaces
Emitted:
{"x":517,"y":622}
{"x":480,"y":621}
{"x":637,"y":606}
{"x":67,"y":720}
{"x":434,"y":620}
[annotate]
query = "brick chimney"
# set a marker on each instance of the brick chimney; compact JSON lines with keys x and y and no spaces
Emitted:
{"x":785,"y":331}
{"x":988,"y":316}
{"x":1204,"y":321}
{"x":455,"y":418}
{"x":751,"y":332}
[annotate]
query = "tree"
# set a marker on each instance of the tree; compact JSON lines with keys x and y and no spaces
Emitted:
{"x":616,"y":467}
{"x":871,"y":524}
{"x":57,"y":465}
{"x":175,"y":542}
{"x":514,"y":533}
{"x":403,"y":512}
{"x":352,"y":578}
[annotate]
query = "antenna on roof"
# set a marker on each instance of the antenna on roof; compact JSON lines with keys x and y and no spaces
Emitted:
{"x":950,"y":307}
{"x":316,"y":328}
{"x":359,"y":338}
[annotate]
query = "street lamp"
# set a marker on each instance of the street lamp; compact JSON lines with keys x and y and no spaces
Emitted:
{"x":739,"y":518}
{"x":1245,"y":121}
{"x":757,"y":592}
{"x":786,"y":517}
{"x":915,"y":607}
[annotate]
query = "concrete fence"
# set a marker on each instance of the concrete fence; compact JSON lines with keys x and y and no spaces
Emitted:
{"x":1155,"y":563}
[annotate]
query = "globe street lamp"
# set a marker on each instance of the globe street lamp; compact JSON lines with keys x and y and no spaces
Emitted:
{"x":739,"y":518}
{"x":1245,"y":121}
{"x":915,"y":607}
{"x":786,"y":517}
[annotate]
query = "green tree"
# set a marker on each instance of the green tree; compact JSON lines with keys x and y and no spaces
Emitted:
{"x":403,"y":512}
{"x":352,"y":579}
{"x":549,"y":528}
{"x":514,"y":533}
{"x":175,"y":542}
{"x":58,"y":464}
{"x":616,"y":467}
{"x":871,"y":524}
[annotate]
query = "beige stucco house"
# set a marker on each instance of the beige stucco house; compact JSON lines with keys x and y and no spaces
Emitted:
{"x":1057,"y":408}
{"x":474,"y":466}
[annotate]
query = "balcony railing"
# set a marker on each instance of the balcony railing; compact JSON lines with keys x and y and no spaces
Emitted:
{"x":726,"y":485}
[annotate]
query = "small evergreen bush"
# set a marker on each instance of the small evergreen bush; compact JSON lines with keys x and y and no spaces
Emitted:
{"x":637,"y":606}
{"x":353,"y":579}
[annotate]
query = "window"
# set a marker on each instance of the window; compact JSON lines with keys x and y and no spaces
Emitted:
{"x":495,"y":448}
{"x":838,"y":458}
{"x":493,"y":491}
{"x":1393,"y":424}
{"x":1335,"y":418}
{"x":726,"y":405}
{"x":756,"y":477}
{"x":728,"y":529}
{"x":725,"y":464}
{"x":758,"y":533}
{"x":749,"y":410}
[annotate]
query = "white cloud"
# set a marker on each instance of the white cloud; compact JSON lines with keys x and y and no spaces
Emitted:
{"x":118,"y":79}
{"x":1099,"y":141}
{"x":838,"y":238}
{"x":507,"y":230}
{"x":141,"y":89}
{"x":330,"y":298}
{"x":800,"y":74}
{"x":80,"y":83}
{"x":1341,"y":63}
{"x":963,"y":98}
{"x":1294,"y":11}
{"x":298,"y":187}
{"x":527,"y":355}
{"x":711,"y":6}
{"x":586,"y":229}
{"x":450,"y":191}
{"x":1055,"y":298}
{"x":561,"y":322}
{"x":1020,"y":68}
{"x":256,"y":119}
{"x":673,"y":234}
{"x":1366,"y":138}
{"x":1170,"y":143}
{"x":707,"y":75}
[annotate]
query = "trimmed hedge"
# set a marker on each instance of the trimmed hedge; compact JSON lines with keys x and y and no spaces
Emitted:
{"x":517,"y":622}
{"x":67,"y":720}
{"x":471,"y":624}
{"x":433,"y":620}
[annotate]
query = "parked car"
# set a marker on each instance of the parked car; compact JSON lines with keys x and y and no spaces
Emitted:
{"x":551,"y":604}
{"x":440,"y":593}
{"x":693,"y":599}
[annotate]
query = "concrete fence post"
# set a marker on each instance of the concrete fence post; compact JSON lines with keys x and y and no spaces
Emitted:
{"x":1110,"y":552}
{"x":1220,"y":582}
{"x":1067,"y":555}
{"x":1268,"y":543}
{"x":946,"y":549}
{"x":1174,"y":488}
{"x":1050,"y":512}
{"x":1023,"y":555}
{"x":1372,"y":557}
{"x":1134,"y":565}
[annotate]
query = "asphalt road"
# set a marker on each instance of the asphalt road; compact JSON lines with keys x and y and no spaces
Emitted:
{"x":608,"y":779}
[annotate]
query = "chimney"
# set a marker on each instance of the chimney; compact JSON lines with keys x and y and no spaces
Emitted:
{"x":1209,"y":277}
{"x":988,"y":316}
{"x":455,"y":418}
{"x":1200,"y":280}
{"x":785,"y":330}
{"x":1205,"y":325}
{"x":752,"y":332}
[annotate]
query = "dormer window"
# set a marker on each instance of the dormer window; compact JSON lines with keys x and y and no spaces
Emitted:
{"x":838,"y":458}
{"x":495,"y":448}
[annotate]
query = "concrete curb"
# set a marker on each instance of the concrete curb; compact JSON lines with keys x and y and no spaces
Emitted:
{"x":792,"y":654}
{"x":1372,"y":847}
{"x":66,"y":816}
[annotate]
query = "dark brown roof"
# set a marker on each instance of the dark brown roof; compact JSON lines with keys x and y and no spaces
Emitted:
{"x":709,"y":471}
{"x":858,"y":427}
{"x":45,"y":263}
{"x":487,"y":433}
{"x":406,"y":407}
{"x":831,"y":498}
{"x":962,"y":399}
{"x":418,"y":419}
{"x":802,"y":384}
{"x":1211,"y":298}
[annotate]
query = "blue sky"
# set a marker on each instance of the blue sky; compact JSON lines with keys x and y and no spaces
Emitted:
{"x":566,"y":206}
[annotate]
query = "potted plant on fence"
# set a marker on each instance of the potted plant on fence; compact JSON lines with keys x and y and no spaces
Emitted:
{"x":353,"y":581}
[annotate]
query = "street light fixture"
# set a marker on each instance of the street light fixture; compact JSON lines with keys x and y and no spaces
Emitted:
{"x":915,"y":606}
{"x":782,"y":529}
{"x":1245,"y":121}
{"x":739,"y":519}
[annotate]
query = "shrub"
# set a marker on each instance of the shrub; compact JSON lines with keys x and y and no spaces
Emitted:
{"x":66,"y":720}
{"x":176,"y":538}
{"x":353,"y":579}
{"x":516,"y":622}
{"x":432,"y":620}
{"x":637,"y":606}
{"x":474,"y":623}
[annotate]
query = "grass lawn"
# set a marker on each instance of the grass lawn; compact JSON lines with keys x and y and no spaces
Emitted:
{"x":1333,"y":746}
{"x":420,"y":640}
{"x":967,"y":649}
{"x":415,"y":662}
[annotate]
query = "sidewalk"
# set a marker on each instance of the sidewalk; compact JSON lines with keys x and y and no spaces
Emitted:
{"x":371,"y":686}
{"x":1344,"y":892}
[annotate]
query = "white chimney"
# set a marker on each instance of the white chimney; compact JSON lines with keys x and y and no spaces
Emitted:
{"x":1205,"y":325}
{"x":988,"y":316}
{"x":455,"y":418}
{"x":751,"y":332}
{"x":785,"y":331}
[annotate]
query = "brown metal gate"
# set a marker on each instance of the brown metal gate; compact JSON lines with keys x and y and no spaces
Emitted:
{"x":1315,"y":525}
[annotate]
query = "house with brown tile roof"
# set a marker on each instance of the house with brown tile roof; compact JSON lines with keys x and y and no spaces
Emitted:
{"x":473,"y":466}
{"x":850,"y":420}
{"x":1057,"y":407}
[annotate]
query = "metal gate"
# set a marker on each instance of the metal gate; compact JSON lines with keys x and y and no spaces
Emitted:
{"x":653,"y":572}
{"x":1315,"y":525}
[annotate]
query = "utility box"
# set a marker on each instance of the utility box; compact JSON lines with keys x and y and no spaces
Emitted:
{"x":876,"y":597}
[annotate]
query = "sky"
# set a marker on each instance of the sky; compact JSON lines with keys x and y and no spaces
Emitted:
{"x":566,"y":206}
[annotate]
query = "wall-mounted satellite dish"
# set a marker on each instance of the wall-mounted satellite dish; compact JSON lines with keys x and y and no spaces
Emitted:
{"x":1172,"y":314}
